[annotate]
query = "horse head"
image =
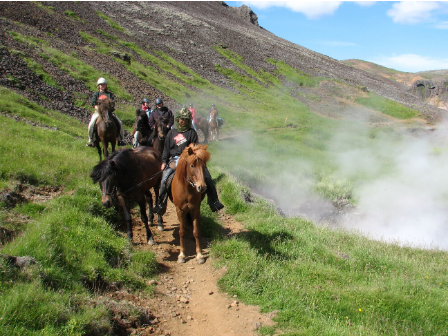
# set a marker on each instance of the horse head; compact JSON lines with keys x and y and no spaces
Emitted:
{"x":105,"y":108}
{"x":162,"y":127}
{"x":105,"y":173}
{"x":191,"y":166}
{"x":142,"y":122}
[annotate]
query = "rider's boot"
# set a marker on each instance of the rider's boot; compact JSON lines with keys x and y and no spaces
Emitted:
{"x":212,"y":194}
{"x":160,"y":207}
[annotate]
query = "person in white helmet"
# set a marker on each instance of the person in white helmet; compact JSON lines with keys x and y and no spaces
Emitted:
{"x":103,"y":91}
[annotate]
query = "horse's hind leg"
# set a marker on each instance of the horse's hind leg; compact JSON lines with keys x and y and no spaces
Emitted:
{"x":144,"y":218}
{"x":156,"y":194}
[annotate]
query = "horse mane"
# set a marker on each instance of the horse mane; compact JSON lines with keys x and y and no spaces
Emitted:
{"x":189,"y":155}
{"x":119,"y":164}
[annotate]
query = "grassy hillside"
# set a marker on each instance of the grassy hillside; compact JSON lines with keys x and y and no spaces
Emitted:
{"x":320,"y":280}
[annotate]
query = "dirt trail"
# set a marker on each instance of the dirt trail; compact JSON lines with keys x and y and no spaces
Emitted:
{"x":187,"y":300}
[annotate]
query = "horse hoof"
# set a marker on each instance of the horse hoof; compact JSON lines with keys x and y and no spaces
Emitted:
{"x":181,"y":260}
{"x":200,"y":261}
{"x":160,"y":227}
{"x":151,"y":241}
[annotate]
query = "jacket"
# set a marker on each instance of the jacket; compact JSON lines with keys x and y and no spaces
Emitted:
{"x":176,"y":142}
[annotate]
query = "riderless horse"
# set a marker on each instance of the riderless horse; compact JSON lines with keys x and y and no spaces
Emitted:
{"x":129,"y":174}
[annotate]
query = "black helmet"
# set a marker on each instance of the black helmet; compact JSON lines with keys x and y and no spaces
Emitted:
{"x":159,"y":101}
{"x":145,"y":100}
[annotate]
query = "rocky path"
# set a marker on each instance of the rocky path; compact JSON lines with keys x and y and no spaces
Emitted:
{"x":187,"y":300}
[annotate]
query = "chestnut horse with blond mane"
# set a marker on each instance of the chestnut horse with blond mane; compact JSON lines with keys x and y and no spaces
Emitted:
{"x":187,"y":192}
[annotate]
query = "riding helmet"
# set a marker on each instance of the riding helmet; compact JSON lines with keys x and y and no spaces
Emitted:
{"x":159,"y":101}
{"x":145,"y":100}
{"x":101,"y":80}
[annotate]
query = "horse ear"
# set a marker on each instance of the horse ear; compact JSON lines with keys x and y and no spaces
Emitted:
{"x":190,"y":150}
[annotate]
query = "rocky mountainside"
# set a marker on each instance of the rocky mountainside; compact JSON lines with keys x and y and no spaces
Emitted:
{"x":430,"y":86}
{"x":188,"y":32}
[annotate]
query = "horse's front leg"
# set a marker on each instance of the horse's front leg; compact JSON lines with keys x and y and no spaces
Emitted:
{"x":150,"y":203}
{"x":182,"y":223}
{"x":144,"y":218}
{"x":200,"y":259}
{"x":97,"y":145}
{"x":105,"y":146}
{"x":127,"y":217}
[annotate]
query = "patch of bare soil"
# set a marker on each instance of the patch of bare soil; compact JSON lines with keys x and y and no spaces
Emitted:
{"x":187,"y":300}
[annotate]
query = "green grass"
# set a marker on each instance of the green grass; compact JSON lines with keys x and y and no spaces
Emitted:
{"x":387,"y":106}
{"x":73,"y":237}
{"x":326,"y":282}
{"x":110,"y":22}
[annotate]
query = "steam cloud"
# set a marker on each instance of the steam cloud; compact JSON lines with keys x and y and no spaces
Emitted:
{"x":401,"y":189}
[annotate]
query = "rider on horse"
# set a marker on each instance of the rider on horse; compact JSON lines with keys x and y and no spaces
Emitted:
{"x":102,"y":93}
{"x":193,"y":116}
{"x":176,"y":141}
{"x":142,"y":124}
{"x":161,"y":111}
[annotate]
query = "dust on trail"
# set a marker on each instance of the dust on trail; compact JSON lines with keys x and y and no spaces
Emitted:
{"x":187,"y":300}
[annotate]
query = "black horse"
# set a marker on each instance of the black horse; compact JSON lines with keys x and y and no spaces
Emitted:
{"x":129,"y":174}
{"x":142,"y":129}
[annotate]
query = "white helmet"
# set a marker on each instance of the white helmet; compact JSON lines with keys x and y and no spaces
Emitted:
{"x":101,"y":80}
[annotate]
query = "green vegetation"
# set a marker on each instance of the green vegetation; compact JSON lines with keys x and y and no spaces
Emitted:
{"x":110,"y":22}
{"x":73,"y":237}
{"x":387,"y":106}
{"x":73,"y":15}
{"x":321,"y":281}
{"x":327,"y":282}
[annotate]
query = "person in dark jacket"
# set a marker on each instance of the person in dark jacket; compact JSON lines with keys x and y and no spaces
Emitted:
{"x":103,"y":91}
{"x":176,"y":141}
{"x":161,"y":111}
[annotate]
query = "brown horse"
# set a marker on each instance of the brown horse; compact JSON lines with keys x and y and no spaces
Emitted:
{"x":106,"y":128}
{"x":213,"y":125}
{"x":130,"y":174}
{"x":159,"y":133}
{"x":141,"y":126}
{"x":187,"y":192}
{"x":202,"y":126}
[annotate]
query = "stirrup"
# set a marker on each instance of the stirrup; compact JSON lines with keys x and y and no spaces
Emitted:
{"x":158,"y":208}
{"x":216,"y":206}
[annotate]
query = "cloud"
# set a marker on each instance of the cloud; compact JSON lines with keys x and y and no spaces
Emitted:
{"x":311,"y":9}
{"x":411,"y":62}
{"x":413,"y":12}
{"x":338,"y":43}
{"x":365,"y":3}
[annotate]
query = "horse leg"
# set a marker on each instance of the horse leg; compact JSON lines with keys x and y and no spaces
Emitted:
{"x":97,"y":145}
{"x":144,"y":218}
{"x":196,"y":233}
{"x":127,"y":217}
{"x":150,"y":214}
{"x":182,"y":220}
{"x":106,"y":152}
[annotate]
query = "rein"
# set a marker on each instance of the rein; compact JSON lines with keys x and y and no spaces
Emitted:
{"x":114,"y":189}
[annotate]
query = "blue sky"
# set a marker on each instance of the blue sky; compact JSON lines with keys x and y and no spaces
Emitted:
{"x":408,"y":36}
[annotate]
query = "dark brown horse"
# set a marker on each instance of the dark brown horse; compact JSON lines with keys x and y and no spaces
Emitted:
{"x":213,"y":125}
{"x":106,"y":128}
{"x":202,"y":126}
{"x":141,"y":126}
{"x":187,"y":192}
{"x":129,"y":174}
{"x":159,"y":133}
